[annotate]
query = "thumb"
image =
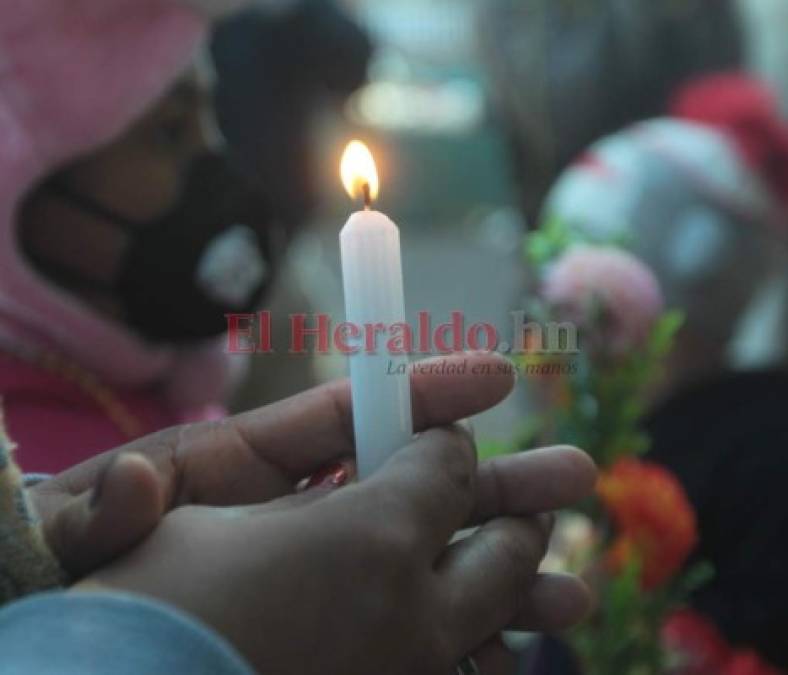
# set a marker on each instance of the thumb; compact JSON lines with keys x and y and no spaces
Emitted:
{"x":96,"y":527}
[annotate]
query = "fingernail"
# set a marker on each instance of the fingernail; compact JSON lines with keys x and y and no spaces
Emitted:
{"x":331,"y":476}
{"x":98,"y":488}
{"x":467,"y":426}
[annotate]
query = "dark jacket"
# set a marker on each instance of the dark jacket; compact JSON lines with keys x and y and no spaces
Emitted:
{"x":727,"y":440}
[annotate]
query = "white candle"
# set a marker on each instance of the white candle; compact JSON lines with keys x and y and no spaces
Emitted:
{"x":372,"y":274}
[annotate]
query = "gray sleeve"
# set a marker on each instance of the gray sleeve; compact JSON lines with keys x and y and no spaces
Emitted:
{"x":108,"y":634}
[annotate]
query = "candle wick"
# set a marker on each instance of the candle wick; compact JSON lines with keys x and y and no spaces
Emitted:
{"x":367,"y":197}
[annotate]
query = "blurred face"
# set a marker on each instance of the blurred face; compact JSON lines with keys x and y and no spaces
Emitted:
{"x":140,"y":176}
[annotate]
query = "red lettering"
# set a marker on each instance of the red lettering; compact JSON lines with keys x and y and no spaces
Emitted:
{"x":455,"y":327}
{"x":299,"y":333}
{"x":236,"y":330}
{"x":341,"y":335}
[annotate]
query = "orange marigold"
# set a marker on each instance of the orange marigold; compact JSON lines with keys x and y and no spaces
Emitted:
{"x":655,"y":523}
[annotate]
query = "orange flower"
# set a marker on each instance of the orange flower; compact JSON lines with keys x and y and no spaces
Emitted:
{"x":656,"y":524}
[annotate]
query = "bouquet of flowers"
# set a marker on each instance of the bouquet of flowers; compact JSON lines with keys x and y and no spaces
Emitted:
{"x":634,"y":539}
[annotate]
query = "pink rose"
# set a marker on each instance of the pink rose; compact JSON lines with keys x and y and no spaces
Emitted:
{"x":609,"y":293}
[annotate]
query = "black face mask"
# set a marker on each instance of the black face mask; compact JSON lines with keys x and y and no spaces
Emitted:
{"x":182,"y":273}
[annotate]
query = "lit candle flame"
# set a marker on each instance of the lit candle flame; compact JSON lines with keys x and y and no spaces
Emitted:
{"x":359,"y":173}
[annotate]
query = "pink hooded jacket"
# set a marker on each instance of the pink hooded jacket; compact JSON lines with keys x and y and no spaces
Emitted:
{"x":73,"y":75}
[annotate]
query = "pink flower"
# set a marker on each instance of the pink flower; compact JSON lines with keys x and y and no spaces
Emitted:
{"x":606,"y":291}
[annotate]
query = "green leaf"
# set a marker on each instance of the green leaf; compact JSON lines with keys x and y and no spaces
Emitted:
{"x":697,"y":576}
{"x":529,"y":433}
{"x":490,"y":449}
{"x":664,"y":333}
{"x":551,"y":239}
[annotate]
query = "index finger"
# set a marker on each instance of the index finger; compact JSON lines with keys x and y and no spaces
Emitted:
{"x":261,"y":455}
{"x":536,"y":481}
{"x":302,"y":433}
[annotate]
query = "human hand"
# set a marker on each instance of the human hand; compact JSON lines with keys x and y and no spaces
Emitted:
{"x":249,"y":459}
{"x":366,"y":580}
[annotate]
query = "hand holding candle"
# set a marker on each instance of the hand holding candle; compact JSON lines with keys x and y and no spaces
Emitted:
{"x":372,"y":274}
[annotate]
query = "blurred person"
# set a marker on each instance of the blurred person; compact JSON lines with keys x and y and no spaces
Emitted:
{"x":702,"y":198}
{"x":128,"y":235}
{"x":268,"y":106}
{"x":565,"y":73}
{"x":266,"y":99}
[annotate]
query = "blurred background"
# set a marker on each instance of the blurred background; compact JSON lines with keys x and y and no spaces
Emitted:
{"x":472,"y":109}
{"x":445,"y":181}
